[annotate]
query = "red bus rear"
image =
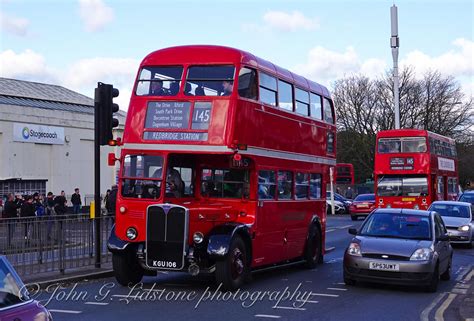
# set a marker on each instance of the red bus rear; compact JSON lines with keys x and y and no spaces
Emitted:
{"x":344,"y":174}
{"x":224,"y":166}
{"x":413,"y":168}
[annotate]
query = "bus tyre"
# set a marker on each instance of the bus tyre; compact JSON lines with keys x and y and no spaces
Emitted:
{"x":126,"y":268}
{"x":313,"y":252}
{"x":233,"y":270}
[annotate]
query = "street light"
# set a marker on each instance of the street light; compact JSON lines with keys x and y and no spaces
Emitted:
{"x":395,"y":44}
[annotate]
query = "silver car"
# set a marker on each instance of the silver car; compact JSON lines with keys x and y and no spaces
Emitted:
{"x":399,"y":246}
{"x":458,"y":218}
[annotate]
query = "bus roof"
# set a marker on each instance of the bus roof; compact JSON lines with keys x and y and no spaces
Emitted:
{"x":410,"y":132}
{"x":209,"y":54}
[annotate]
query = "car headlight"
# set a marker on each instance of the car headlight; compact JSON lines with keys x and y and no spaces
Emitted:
{"x":132,"y":233}
{"x":463,"y":228}
{"x":354,"y":249}
{"x":421,"y":255}
{"x":198,"y":237}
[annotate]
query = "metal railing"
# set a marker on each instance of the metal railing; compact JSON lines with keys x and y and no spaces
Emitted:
{"x":52,"y":243}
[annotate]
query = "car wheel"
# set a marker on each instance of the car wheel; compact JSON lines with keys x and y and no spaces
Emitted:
{"x":233,"y":270}
{"x":433,"y":286}
{"x":313,"y":252}
{"x":126,"y":268}
{"x":354,"y":217}
{"x":446,"y":276}
{"x":349,"y":281}
{"x":469,"y":245}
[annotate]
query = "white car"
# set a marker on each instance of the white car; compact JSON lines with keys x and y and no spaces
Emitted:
{"x":338,"y":207}
{"x":458,"y":218}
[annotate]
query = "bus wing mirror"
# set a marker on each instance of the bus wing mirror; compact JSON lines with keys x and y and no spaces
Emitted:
{"x":111,"y":159}
{"x":353,"y":231}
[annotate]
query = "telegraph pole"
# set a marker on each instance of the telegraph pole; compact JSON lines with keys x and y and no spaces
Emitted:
{"x":394,"y":44}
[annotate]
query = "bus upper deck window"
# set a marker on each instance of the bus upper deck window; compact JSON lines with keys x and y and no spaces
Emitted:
{"x":159,"y":81}
{"x":210,"y":80}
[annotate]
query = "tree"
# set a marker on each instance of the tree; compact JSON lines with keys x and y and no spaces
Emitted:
{"x":435,"y":103}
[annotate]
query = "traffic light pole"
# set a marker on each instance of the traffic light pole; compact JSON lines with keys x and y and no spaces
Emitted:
{"x":97,"y":204}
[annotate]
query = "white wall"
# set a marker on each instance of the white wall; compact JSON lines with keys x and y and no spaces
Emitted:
{"x":64,"y":166}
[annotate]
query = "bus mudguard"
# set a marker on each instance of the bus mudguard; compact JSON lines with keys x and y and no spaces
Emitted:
{"x":114,"y":244}
{"x":219,"y":238}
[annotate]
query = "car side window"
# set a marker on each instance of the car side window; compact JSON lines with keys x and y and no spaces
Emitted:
{"x":443,"y":227}
{"x":440,"y":229}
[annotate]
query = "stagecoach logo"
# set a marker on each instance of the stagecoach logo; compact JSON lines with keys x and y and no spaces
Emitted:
{"x":40,"y":134}
{"x":446,"y":164}
{"x":164,"y":264}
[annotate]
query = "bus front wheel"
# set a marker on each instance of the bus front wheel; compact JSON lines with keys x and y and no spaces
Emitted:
{"x":126,"y":268}
{"x":233,"y":270}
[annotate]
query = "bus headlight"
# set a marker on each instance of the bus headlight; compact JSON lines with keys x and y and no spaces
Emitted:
{"x":122,"y":209}
{"x":463,"y":228}
{"x":132,"y":233}
{"x":198,"y":237}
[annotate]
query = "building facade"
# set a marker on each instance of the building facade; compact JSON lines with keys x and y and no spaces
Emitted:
{"x":47,"y":140}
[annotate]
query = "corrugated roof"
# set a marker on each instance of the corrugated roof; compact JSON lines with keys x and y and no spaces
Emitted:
{"x":46,"y":104}
{"x":39,"y":91}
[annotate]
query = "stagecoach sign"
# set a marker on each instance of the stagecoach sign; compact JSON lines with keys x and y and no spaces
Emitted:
{"x":446,"y":164}
{"x":40,"y":134}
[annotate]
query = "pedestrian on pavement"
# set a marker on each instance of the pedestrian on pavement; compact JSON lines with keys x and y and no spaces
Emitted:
{"x":76,"y":201}
{"x":112,"y":200}
{"x":10,"y":212}
{"x":60,"y":204}
{"x":349,"y":194}
{"x":27,"y":213}
{"x":49,"y":205}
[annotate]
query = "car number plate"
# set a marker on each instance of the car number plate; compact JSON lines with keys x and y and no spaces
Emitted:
{"x":384,"y":266}
{"x":362,"y":206}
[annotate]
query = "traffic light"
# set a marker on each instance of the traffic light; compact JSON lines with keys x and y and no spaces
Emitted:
{"x":105,"y":109}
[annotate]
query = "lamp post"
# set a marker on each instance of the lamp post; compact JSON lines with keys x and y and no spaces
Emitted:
{"x":394,"y":44}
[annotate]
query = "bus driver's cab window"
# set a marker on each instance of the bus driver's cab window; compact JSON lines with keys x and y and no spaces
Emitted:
{"x":248,"y":83}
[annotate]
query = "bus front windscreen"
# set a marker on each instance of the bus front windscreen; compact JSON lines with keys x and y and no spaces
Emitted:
{"x":394,"y":185}
{"x":142,"y":176}
{"x":210,"y":80}
{"x":402,"y":145}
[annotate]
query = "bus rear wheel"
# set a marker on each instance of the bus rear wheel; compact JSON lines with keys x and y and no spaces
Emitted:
{"x":313,"y":252}
{"x":126,"y":268}
{"x":234,"y":269}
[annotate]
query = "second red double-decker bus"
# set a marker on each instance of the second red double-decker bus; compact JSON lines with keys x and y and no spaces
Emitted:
{"x":344,"y":174}
{"x":413,"y":168}
{"x":224,"y":165}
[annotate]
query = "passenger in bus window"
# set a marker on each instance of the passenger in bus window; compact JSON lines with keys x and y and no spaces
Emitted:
{"x":227,"y":85}
{"x":174,"y":88}
{"x":156,"y":88}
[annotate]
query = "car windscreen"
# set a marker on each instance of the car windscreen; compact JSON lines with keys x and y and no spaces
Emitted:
{"x":402,"y":226}
{"x":11,"y":291}
{"x":451,"y":210}
{"x":364,"y":197}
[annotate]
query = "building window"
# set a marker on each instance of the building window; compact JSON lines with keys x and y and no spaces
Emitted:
{"x":285,"y":95}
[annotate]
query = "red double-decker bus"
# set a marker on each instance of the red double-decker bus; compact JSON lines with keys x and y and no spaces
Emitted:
{"x":413,"y":168}
{"x":344,"y":174}
{"x":224,"y":165}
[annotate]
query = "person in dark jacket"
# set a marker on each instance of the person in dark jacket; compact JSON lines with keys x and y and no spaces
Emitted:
{"x":10,"y":211}
{"x":27,"y":211}
{"x":60,"y":204}
{"x":49,"y":205}
{"x":76,"y":201}
{"x":112,"y":201}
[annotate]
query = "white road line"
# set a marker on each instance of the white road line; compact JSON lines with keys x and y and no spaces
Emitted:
{"x":96,"y":303}
{"x":64,"y":311}
{"x":469,"y":277}
{"x":290,"y":308}
{"x":340,"y":283}
{"x":345,"y":226}
{"x":324,"y":294}
{"x":330,"y":230}
{"x":425,"y":315}
{"x":463,"y":270}
{"x":337,"y":289}
{"x":440,"y":312}
{"x":267,"y":316}
{"x":331,"y":248}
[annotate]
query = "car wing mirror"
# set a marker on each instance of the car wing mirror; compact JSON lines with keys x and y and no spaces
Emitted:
{"x":353,"y":231}
{"x":443,"y":237}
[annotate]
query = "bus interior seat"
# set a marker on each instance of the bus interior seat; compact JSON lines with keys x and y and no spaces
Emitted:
{"x":187,"y":89}
{"x":174,"y":88}
{"x":199,"y":91}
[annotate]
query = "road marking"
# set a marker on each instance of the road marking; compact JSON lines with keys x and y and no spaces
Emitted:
{"x":340,"y":283}
{"x":267,"y":316}
{"x":426,"y":312}
{"x":330,"y":230}
{"x":64,"y":311}
{"x":469,"y":277}
{"x":463,"y":270}
{"x":345,"y":226}
{"x":324,"y":294}
{"x":337,"y":289}
{"x":309,"y":281}
{"x":96,"y":303}
{"x":330,"y":249}
{"x":440,"y":312}
{"x":290,"y":308}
